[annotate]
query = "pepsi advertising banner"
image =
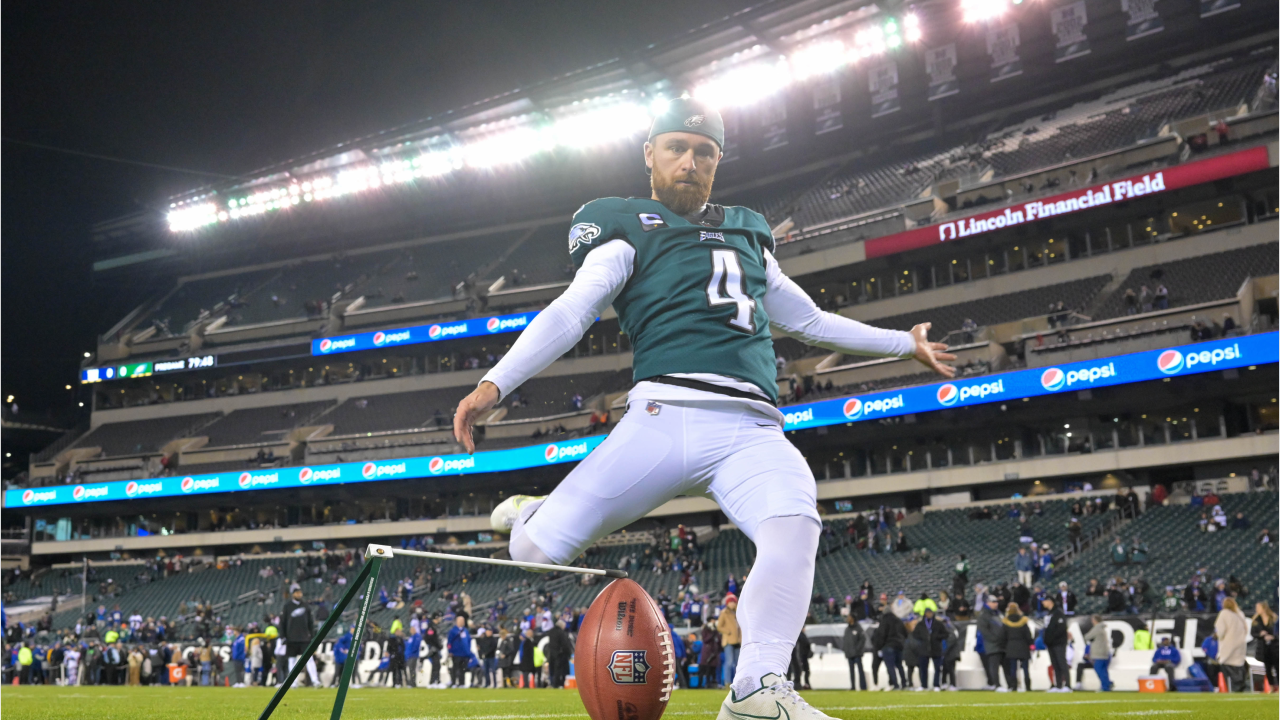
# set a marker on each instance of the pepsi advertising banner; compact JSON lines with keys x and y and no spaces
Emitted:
{"x":1137,"y":367}
{"x":422,"y":334}
{"x":295,"y":477}
{"x":1203,"y":357}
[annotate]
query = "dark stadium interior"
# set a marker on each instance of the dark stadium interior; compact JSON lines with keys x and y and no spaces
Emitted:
{"x":221,"y":382}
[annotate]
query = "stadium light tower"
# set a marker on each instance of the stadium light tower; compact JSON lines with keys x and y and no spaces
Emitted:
{"x":974,"y":11}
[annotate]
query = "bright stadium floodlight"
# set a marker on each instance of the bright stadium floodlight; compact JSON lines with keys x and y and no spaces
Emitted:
{"x":745,"y":85}
{"x":974,"y":11}
{"x":911,"y":28}
{"x":597,"y":127}
{"x":819,"y":58}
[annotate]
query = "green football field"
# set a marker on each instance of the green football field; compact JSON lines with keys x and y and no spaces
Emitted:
{"x":120,"y":703}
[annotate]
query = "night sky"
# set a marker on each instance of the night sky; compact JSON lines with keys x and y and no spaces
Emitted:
{"x":228,"y":87}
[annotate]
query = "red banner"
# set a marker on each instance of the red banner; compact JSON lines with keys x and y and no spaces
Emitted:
{"x":1173,"y":178}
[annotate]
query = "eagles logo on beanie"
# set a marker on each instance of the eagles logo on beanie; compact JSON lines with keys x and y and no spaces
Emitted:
{"x":691,"y":116}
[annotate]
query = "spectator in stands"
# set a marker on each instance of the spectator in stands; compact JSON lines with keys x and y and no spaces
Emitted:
{"x":1065,"y":600}
{"x":902,"y":607}
{"x":1265,"y":537}
{"x":1119,"y":555}
{"x":863,"y":608}
{"x":1166,"y":658}
{"x":1264,"y":630}
{"x":1024,"y":565}
{"x":1240,"y":522}
{"x":1162,"y":297}
{"x":1130,"y":302}
{"x":854,"y":645}
{"x":1138,"y":552}
{"x":1232,"y":631}
{"x":960,"y":577}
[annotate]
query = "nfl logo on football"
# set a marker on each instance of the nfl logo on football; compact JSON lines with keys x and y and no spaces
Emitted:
{"x":628,"y":667}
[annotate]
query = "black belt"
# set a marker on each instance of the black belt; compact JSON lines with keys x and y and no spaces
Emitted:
{"x":708,"y":387}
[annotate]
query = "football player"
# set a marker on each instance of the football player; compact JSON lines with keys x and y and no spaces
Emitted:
{"x":696,"y":288}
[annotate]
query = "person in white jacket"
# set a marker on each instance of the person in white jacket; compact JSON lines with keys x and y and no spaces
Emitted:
{"x":1232,"y":630}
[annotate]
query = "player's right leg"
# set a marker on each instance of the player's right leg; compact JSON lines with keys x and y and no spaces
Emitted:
{"x":637,"y":468}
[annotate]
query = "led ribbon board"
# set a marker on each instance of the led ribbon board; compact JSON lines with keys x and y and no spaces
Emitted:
{"x":1119,"y":370}
{"x":422,"y":334}
{"x":1137,"y":367}
{"x":311,"y":476}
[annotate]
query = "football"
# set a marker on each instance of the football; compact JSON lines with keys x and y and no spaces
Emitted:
{"x":623,"y":661}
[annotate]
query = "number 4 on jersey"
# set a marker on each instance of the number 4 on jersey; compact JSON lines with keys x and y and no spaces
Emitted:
{"x":726,"y":287}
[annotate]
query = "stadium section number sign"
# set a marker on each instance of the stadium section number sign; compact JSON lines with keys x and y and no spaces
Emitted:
{"x":1223,"y":354}
{"x":422,"y":334}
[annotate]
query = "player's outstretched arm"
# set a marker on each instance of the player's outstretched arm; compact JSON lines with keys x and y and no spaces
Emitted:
{"x":551,"y":334}
{"x":794,"y":313}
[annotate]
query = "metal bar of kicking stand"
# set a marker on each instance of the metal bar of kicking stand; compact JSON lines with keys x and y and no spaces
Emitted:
{"x":353,"y":656}
{"x":315,"y":641}
{"x":384,"y":551}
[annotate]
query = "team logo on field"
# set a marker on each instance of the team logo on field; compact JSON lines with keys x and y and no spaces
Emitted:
{"x":694,"y":120}
{"x":1170,"y":362}
{"x":1053,"y":379}
{"x":628,"y":667}
{"x":853,"y":408}
{"x":582,"y":234}
{"x":948,"y":395}
{"x":651,"y":221}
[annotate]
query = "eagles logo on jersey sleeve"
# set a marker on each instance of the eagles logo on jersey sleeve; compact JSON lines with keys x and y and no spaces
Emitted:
{"x":596,"y":223}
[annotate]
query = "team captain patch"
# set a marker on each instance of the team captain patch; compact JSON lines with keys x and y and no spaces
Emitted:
{"x":628,"y":667}
{"x":582,"y":234}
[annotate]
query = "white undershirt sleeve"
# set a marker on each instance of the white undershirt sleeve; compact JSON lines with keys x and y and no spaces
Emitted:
{"x":558,"y":328}
{"x":793,"y":312}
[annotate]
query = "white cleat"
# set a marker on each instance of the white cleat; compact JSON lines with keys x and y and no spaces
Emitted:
{"x":504,"y":516}
{"x":775,"y":700}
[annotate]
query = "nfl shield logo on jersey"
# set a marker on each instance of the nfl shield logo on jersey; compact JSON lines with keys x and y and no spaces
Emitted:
{"x":628,"y":667}
{"x":653,"y":408}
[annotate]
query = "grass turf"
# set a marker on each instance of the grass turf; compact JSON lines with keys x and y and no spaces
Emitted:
{"x":196,"y":703}
{"x":223,"y":703}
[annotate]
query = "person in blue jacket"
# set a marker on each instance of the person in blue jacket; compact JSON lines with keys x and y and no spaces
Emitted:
{"x":459,"y":644}
{"x":412,"y":651}
{"x":341,"y":649}
{"x":677,"y":648}
{"x":1166,"y":658}
{"x":237,"y":658}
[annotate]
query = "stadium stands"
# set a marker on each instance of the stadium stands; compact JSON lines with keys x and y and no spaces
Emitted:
{"x":143,"y":436}
{"x":1196,"y":280}
{"x":242,"y":427}
{"x":397,"y":411}
{"x":543,"y":397}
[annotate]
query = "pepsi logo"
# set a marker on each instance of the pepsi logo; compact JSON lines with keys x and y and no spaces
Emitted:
{"x":492,"y":325}
{"x":188,"y":484}
{"x":28,"y":496}
{"x":1053,"y":379}
{"x":245,"y":479}
{"x":948,"y":395}
{"x":436,"y":465}
{"x":369,"y":470}
{"x":78,"y":493}
{"x":1170,"y":362}
{"x":433,"y":332}
{"x":304,"y":475}
{"x":379,"y":338}
{"x":853,"y":408}
{"x":131,"y":489}
{"x":552,"y":452}
{"x":325,"y":344}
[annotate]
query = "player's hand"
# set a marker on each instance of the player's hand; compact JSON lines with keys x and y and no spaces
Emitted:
{"x":932,"y":354}
{"x":484,"y":397}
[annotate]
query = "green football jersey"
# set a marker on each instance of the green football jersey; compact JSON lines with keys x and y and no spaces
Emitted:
{"x":693,"y":303}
